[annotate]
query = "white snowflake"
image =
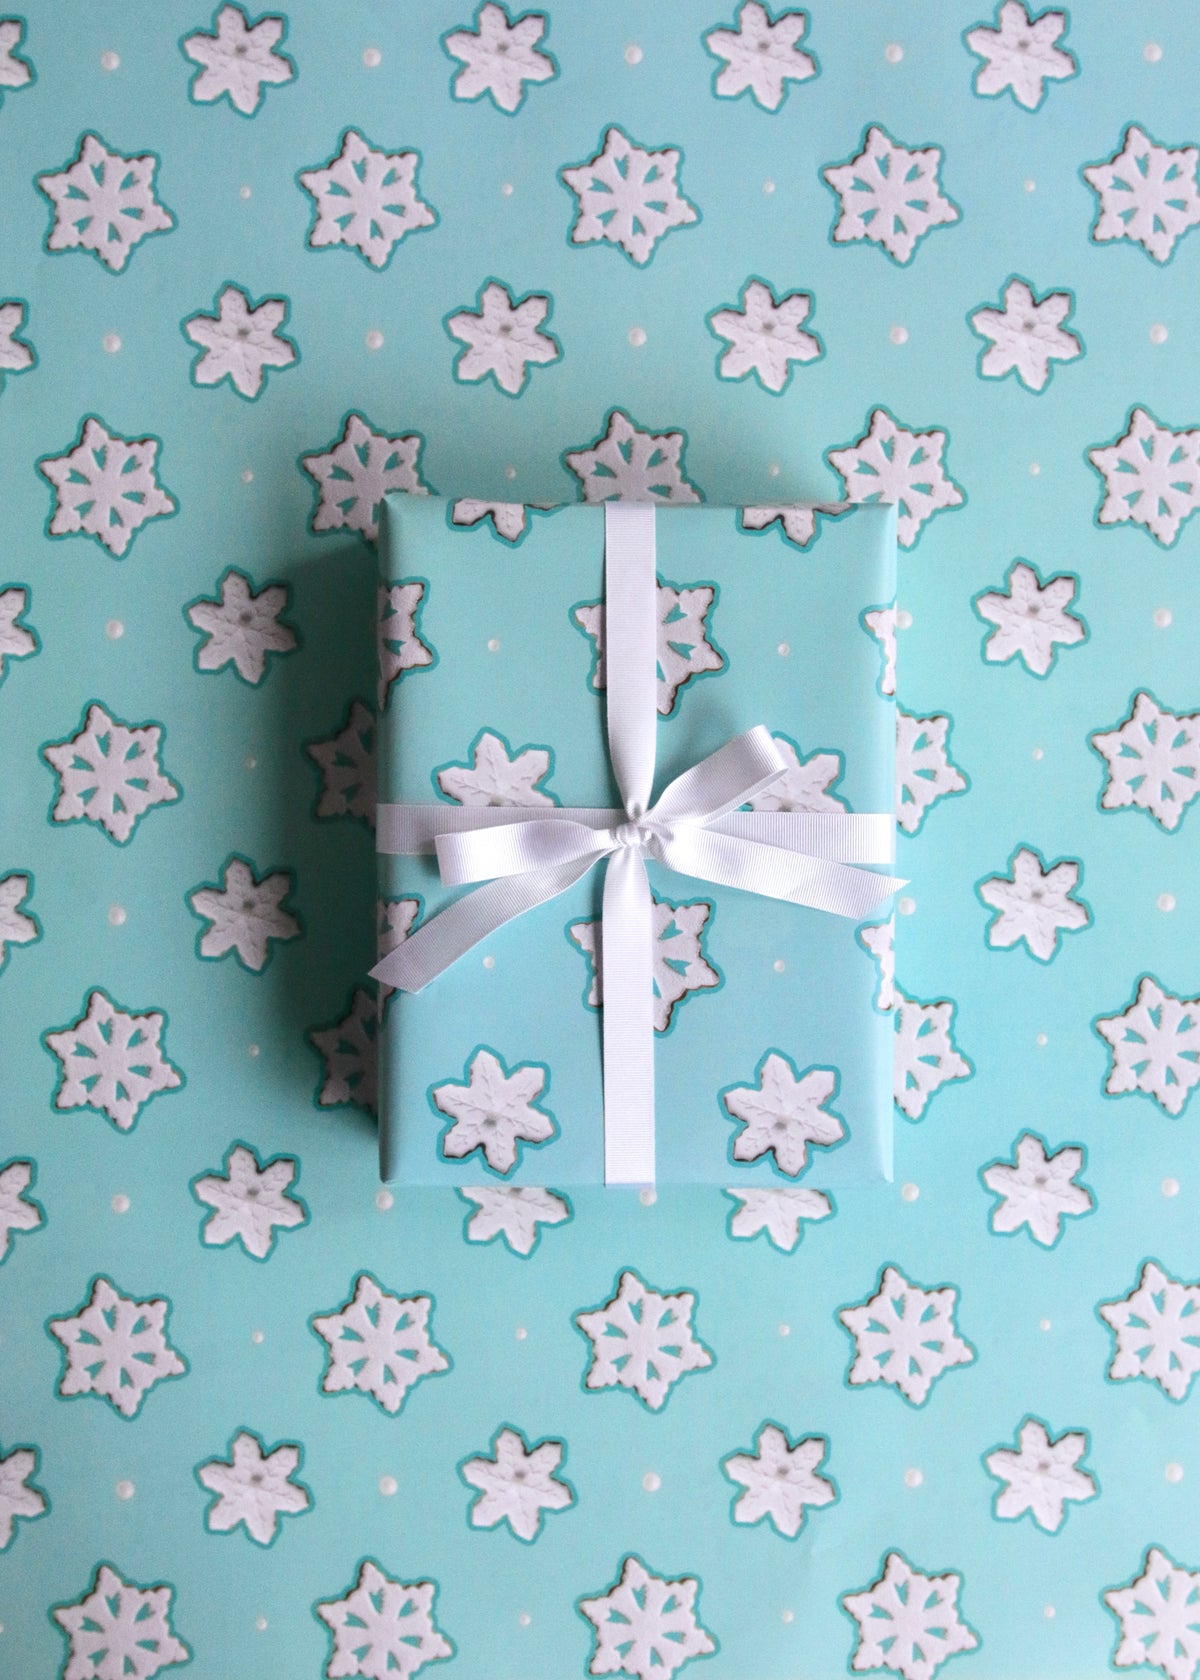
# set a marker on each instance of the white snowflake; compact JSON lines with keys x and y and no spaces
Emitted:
{"x":240,"y":341}
{"x":496,"y":775}
{"x":780,"y":1480}
{"x":347,"y":765}
{"x":680,"y":967}
{"x":1147,"y":193}
{"x":880,"y":940}
{"x":394,"y":920}
{"x":1157,"y":1331}
{"x":761,"y":55}
{"x":512,"y":1212}
{"x":805,"y":783}
{"x":642,"y":1341}
{"x":16,"y":356}
{"x":1033,"y":904}
{"x":379,"y":1344}
{"x":382,"y":1629}
{"x":780,"y":1213}
{"x":799,"y":525}
{"x":494,"y":1112}
{"x":784,"y":1114}
{"x":18,"y":1496}
{"x":1151,"y":477}
{"x":1037,"y":1189}
{"x":1041,"y":1477}
{"x":684,"y":650}
{"x":629,"y":465}
{"x":1159,"y":1617}
{"x":365,"y":199}
{"x":245,"y":914}
{"x":116,"y":1347}
{"x":109,"y":774}
{"x":399,"y":644}
{"x":350,"y":1049}
{"x":891,"y":464}
{"x":1155,"y":1046}
{"x":1153,"y":761}
{"x":112,"y":1061}
{"x":628,"y":197}
{"x":18,"y":1212}
{"x":16,"y":928}
{"x":499,"y":56}
{"x":249,"y":1201}
{"x":516,"y":1484}
{"x":105,"y":486}
{"x":104,"y":203}
{"x":16,"y":640}
{"x":924,"y":772}
{"x":357,"y":471}
{"x":880,"y":622}
{"x":905,"y":1336}
{"x":509,"y":520}
{"x":1026,"y":335}
{"x":253,"y":1487}
{"x":503,"y":338}
{"x":1031,"y":618}
{"x":889,"y":195}
{"x":239,"y":62}
{"x":119,"y":1631}
{"x":15,"y":70}
{"x":926,"y":1057}
{"x":241,"y":628}
{"x":908,"y":1622}
{"x":765,"y":335}
{"x":1020,"y":55}
{"x":646,"y":1625}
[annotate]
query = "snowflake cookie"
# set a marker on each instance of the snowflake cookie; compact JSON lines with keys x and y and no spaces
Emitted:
{"x":1151,"y":477}
{"x":508,"y":521}
{"x":104,"y":202}
{"x":118,"y":1628}
{"x":1027,"y":334}
{"x":357,"y":471}
{"x":109,"y":774}
{"x":765,"y":335}
{"x":880,"y":940}
{"x":398,"y":641}
{"x":249,"y":1201}
{"x":888,"y":463}
{"x":1041,"y":1476}
{"x":680,"y":960}
{"x":1158,"y":1614}
{"x":1154,"y":1046}
{"x":16,"y":355}
{"x":1033,"y":903}
{"x":1020,"y":54}
{"x":365,"y":199}
{"x":799,"y":525}
{"x":905,"y":1336}
{"x":494,"y":1112}
{"x":253,"y":1487}
{"x":241,"y":341}
{"x":889,"y":195}
{"x":350,"y":1051}
{"x":105,"y":487}
{"x":517,"y":1484}
{"x":645,"y":1625}
{"x":17,"y":640}
{"x":239,"y":627}
{"x":926,"y":1057}
{"x":642,"y":1341}
{"x":924,"y":771}
{"x":908,"y":1623}
{"x":1038,"y":1189}
{"x":112,"y":1061}
{"x":15,"y":69}
{"x":627,"y":196}
{"x":499,"y":56}
{"x":512,"y":1212}
{"x":18,"y":1211}
{"x":347,"y":765}
{"x":238,"y":61}
{"x":626,"y":464}
{"x":1146,"y":193}
{"x":503,"y":338}
{"x":1030,"y":617}
{"x":761,"y":56}
{"x":1157,"y":1331}
{"x":116,"y":1347}
{"x":394,"y":923}
{"x":685,"y":649}
{"x":1153,"y":761}
{"x":784,"y":1114}
{"x":780,"y":1480}
{"x":805,"y":784}
{"x":19,"y":1498}
{"x":780,"y":1213}
{"x":245,"y":914}
{"x":880,"y":622}
{"x":382,"y":1627}
{"x":497,"y":774}
{"x":16,"y":926}
{"x":378,"y":1344}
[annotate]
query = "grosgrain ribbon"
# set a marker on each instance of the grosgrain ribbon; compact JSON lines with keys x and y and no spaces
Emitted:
{"x":528,"y":855}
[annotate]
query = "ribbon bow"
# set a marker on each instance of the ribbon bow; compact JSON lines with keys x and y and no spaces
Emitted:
{"x":528,"y":855}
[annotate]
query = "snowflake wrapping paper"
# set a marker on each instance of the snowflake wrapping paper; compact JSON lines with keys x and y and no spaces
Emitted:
{"x":253,"y":1406}
{"x":773,"y":1060}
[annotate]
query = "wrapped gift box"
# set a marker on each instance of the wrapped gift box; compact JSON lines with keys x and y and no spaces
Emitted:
{"x":491,"y":693}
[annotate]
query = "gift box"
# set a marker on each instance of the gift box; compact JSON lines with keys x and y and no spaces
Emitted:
{"x":771,"y":1060}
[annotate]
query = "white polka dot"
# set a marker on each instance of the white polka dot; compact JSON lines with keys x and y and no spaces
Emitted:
{"x":506,"y":189}
{"x":111,"y":60}
{"x":116,"y":915}
{"x":120,"y":1202}
{"x":384,"y":1200}
{"x":1166,"y":901}
{"x":256,"y":1336}
{"x":388,"y":1485}
{"x":114,"y":629}
{"x":1041,"y":1041}
{"x":906,"y":905}
{"x":651,"y":1482}
{"x":260,"y":1623}
{"x":903,"y":619}
{"x":250,"y":762}
{"x":913,"y":1478}
{"x":247,"y":476}
{"x":633,"y":53}
{"x":253,"y":1051}
{"x":111,"y":342}
{"x":1043,"y":1324}
{"x":787,"y":1617}
{"x":1174,"y":1472}
{"x":1158,"y":333}
{"x":773,"y":469}
{"x":489,"y":963}
{"x":1170,"y":1187}
{"x":510,"y":472}
{"x":893,"y":52}
{"x":372,"y":58}
{"x":243,"y":192}
{"x":125,"y":1490}
{"x":1034,"y":469}
{"x":1049,"y":1612}
{"x":1038,"y":754}
{"x":1162,"y":618}
{"x":374,"y":339}
{"x":494,"y":644}
{"x":648,"y":1196}
{"x":784,"y":649}
{"x":910,"y":1192}
{"x":521,"y":1332}
{"x":637,"y":337}
{"x":779,"y":965}
{"x":1152,"y":52}
{"x":1031,"y":186}
{"x":785,"y":1329}
{"x":898,"y":335}
{"x":768,"y":188}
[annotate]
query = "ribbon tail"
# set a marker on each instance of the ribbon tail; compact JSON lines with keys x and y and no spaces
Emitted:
{"x":840,"y":889}
{"x":626,"y":969}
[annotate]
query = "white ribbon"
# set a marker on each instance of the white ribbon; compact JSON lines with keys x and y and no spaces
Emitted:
{"x":527,"y":855}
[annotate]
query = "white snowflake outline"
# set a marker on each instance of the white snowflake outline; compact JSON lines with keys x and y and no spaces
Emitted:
{"x":805,"y":328}
{"x":355,"y":1011}
{"x":153,"y":463}
{"x":500,"y":1235}
{"x":72,"y":162}
{"x":947,"y":203}
{"x":477,"y":1155}
{"x":676,"y":453}
{"x":198,"y":69}
{"x":910,"y":525}
{"x":802,"y":45}
{"x":618,"y":1388}
{"x":705,"y":956}
{"x":1007,"y":1446}
{"x":740,"y":1195}
{"x":266,"y":1449}
{"x":1041,"y":583}
{"x":363,"y":720}
{"x":754,"y":1087}
{"x":1046,"y":866}
{"x":778,"y":522}
{"x":1039,"y":299}
{"x":957,"y":1075}
{"x":1111,"y":1048}
{"x":252,"y":304}
{"x":233,"y":1241}
{"x":81,"y":1015}
{"x":539,"y":46}
{"x":529,"y":1447}
{"x":29,"y":1484}
{"x":422,"y":226}
{"x":138,"y":1586}
{"x":345,"y":527}
{"x":1033,"y":17}
{"x":1023,"y":1228}
{"x":689,"y":677}
{"x":327,"y":1348}
{"x":463,"y":346}
{"x":485,"y":519}
{"x":59,"y":794}
{"x":1140,"y":1659}
{"x":21,"y":326}
{"x":468,"y":763}
{"x":205,"y":637}
{"x":880,"y":1574}
{"x":820,"y":1471}
{"x":39,"y":932}
{"x":1139,"y":1283}
{"x":665,"y":149}
{"x":10,"y":1234}
{"x":692,"y":1578}
{"x":1127,"y":516}
{"x":19,"y":58}
{"x":62,"y":1347}
{"x":1132,"y":804}
{"x":1106,"y":161}
{"x":220,"y":886}
{"x":966,"y":1354}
